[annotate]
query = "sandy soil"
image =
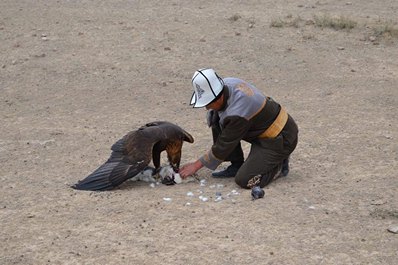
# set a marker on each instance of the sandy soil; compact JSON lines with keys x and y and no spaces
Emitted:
{"x":75,"y":76}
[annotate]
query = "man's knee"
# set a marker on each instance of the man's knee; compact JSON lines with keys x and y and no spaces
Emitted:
{"x":242,"y":182}
{"x":248,"y":182}
{"x":262,"y":180}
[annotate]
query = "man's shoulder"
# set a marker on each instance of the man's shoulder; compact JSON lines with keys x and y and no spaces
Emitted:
{"x":232,"y":80}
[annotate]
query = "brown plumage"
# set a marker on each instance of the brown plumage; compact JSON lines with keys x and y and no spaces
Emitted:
{"x":132,"y":154}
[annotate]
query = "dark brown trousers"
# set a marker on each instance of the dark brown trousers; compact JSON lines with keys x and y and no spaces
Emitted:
{"x":265,"y":158}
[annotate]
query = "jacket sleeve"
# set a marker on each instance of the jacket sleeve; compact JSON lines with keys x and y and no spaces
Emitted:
{"x":233,"y":131}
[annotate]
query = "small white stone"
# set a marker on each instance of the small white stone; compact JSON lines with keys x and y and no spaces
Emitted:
{"x":190,"y":194}
{"x":234,"y":192}
{"x":204,"y":199}
{"x":393,"y":229}
{"x":202,"y":182}
{"x":167,"y":199}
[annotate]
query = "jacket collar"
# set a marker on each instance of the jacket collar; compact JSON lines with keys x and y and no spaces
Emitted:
{"x":226,"y":97}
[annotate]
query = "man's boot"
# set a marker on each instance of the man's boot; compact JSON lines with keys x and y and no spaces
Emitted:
{"x":285,"y":167}
{"x":229,"y":172}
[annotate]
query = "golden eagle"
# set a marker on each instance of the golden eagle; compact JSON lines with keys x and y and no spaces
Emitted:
{"x":132,"y":154}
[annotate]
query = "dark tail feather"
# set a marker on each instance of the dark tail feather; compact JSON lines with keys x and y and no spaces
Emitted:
{"x":106,"y":177}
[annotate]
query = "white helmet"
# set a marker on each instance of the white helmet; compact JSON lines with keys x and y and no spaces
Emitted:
{"x":207,"y":86}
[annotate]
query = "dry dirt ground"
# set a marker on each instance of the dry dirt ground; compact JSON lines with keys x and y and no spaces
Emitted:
{"x":75,"y":76}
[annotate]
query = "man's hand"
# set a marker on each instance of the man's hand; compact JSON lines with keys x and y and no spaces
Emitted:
{"x":190,"y":169}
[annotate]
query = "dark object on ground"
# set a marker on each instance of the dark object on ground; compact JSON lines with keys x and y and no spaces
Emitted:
{"x":134,"y":152}
{"x":257,"y":193}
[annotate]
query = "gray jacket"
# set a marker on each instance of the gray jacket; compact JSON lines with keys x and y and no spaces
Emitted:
{"x":246,"y":113}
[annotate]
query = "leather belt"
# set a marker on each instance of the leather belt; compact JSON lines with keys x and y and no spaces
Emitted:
{"x":276,"y":127}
